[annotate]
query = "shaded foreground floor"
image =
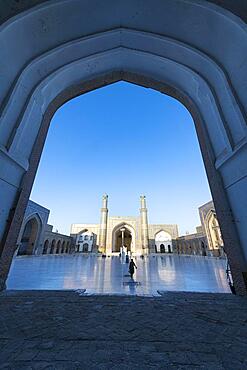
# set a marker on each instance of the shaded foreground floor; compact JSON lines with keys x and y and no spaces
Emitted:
{"x":62,"y":330}
{"x":110,"y":275}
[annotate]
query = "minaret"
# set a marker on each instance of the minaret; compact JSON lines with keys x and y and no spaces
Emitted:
{"x":144,"y":224}
{"x":103,"y":224}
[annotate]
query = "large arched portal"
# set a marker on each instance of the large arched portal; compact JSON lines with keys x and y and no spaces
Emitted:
{"x":123,"y":234}
{"x":122,"y":238}
{"x":29,"y":237}
{"x":48,"y":57}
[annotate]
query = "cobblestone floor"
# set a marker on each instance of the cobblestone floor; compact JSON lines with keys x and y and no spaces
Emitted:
{"x":63,"y":330}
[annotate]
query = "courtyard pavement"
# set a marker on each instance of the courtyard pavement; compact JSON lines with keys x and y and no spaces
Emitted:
{"x":65,"y":330}
{"x":110,"y":275}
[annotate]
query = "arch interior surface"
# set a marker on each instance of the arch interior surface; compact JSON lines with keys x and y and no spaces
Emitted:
{"x":54,"y":51}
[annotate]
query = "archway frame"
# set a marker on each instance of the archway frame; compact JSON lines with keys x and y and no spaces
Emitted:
{"x":148,"y":58}
{"x":130,"y":229}
{"x":38,"y":220}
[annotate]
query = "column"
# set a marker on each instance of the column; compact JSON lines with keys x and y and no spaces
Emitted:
{"x":144,"y":224}
{"x":103,"y":224}
{"x":122,"y":231}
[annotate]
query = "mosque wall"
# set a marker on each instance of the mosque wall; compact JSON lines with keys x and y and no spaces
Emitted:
{"x":42,"y":240}
{"x":206,"y":241}
{"x":39,"y":215}
{"x":132,"y":225}
{"x":57,"y":243}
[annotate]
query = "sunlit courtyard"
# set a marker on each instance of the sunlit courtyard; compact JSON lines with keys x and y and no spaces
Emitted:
{"x":110,"y":275}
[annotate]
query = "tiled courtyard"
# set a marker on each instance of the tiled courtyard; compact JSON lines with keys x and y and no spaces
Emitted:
{"x":65,"y":330}
{"x":110,"y":275}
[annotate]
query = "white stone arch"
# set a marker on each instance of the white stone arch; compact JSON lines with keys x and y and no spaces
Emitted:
{"x":132,"y":231}
{"x":43,"y":67}
{"x":163,"y":241}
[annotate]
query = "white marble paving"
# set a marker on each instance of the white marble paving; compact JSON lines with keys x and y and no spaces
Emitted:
{"x":107,"y":275}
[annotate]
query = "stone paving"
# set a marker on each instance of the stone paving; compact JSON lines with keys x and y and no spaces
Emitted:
{"x":65,"y":330}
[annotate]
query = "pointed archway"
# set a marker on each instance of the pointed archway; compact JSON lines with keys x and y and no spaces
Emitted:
{"x":30,"y":236}
{"x":185,"y":62}
{"x":122,"y":238}
{"x":123,"y":233}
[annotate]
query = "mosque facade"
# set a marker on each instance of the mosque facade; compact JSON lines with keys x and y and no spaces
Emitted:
{"x":135,"y":233}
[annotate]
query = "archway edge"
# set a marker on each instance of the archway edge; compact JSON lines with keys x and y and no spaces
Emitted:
{"x":36,"y":217}
{"x":11,"y":8}
{"x":123,"y":224}
{"x":32,"y":84}
{"x":121,"y":61}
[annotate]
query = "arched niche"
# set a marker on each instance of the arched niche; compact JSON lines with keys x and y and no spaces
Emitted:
{"x":30,"y":236}
{"x":213,"y":232}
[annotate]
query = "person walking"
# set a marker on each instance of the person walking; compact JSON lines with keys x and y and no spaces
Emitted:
{"x":132,"y":267}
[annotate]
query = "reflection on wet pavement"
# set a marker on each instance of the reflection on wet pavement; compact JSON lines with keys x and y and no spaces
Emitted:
{"x":110,"y":276}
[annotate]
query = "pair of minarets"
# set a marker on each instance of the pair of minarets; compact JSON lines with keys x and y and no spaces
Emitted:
{"x":104,"y":221}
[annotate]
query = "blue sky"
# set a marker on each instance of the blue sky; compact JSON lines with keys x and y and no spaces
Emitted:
{"x":124,"y":140}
